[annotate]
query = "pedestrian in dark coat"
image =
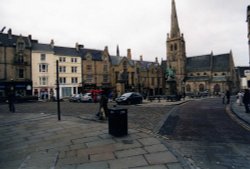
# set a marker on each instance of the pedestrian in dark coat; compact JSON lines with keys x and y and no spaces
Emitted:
{"x":246,"y":100}
{"x":11,"y":100}
{"x":228,"y":94}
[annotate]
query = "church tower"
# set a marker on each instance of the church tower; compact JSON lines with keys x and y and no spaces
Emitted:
{"x":176,"y":52}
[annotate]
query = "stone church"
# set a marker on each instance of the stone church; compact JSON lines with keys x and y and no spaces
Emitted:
{"x":205,"y":73}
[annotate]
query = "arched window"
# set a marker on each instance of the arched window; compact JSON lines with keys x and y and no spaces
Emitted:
{"x":175,"y":46}
{"x":216,"y":88}
{"x":188,"y":88}
{"x":171,"y":47}
{"x":201,"y":87}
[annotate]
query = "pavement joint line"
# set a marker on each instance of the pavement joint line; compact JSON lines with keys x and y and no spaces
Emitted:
{"x":10,"y":123}
{"x":236,"y":118}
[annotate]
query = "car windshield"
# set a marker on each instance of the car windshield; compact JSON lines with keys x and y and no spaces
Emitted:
{"x":126,"y":94}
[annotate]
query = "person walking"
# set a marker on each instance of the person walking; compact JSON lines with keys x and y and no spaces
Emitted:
{"x":228,"y":95}
{"x":246,"y":100}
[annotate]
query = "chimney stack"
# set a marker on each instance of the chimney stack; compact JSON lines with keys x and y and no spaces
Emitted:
{"x":129,"y":55}
{"x":141,"y":58}
{"x":9,"y":33}
{"x":156,"y":59}
{"x":52,"y":43}
{"x":106,"y":50}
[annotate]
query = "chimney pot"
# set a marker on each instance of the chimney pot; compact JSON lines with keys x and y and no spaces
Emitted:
{"x":129,"y":55}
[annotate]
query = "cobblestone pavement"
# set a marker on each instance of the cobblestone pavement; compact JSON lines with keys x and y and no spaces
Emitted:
{"x":207,"y":136}
{"x":33,"y":138}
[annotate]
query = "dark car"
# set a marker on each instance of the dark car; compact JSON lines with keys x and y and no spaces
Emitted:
{"x":129,"y":98}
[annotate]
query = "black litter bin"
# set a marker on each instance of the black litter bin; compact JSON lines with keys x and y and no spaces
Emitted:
{"x":118,"y":121}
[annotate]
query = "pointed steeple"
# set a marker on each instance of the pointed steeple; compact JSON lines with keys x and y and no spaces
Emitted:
{"x":175,"y":30}
{"x":117,"y":51}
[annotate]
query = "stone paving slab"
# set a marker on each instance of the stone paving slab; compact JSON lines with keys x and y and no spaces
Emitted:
{"x":77,"y":144}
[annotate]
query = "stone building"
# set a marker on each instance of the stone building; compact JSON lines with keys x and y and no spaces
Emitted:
{"x":205,"y":73}
{"x":248,"y":21}
{"x":15,"y":64}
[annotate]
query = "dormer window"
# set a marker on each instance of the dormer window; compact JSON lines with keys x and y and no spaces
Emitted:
{"x":20,"y":46}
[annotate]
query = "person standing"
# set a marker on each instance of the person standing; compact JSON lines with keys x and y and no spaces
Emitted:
{"x":246,"y":100}
{"x":11,"y":100}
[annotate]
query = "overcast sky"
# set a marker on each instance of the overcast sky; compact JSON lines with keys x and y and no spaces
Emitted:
{"x":142,"y":25}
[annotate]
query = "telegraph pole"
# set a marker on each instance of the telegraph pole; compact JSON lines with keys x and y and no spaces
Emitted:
{"x":57,"y":92}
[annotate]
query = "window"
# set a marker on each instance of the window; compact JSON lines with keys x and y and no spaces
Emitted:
{"x":198,"y":74}
{"x":89,"y":78}
{"x":62,"y":80}
{"x":105,"y":78}
{"x":43,"y":81}
{"x":105,"y":68}
{"x":21,"y":73}
{"x":20,"y":45}
{"x":201,"y":87}
{"x":89,"y":68}
{"x":43,"y":57}
{"x":74,"y":80}
{"x":20,"y":58}
{"x":62,"y":59}
{"x":204,"y":73}
{"x":153,"y":81}
{"x":74,"y":60}
{"x":43,"y":67}
{"x":73,"y":69}
{"x":62,"y":69}
{"x":188,"y":88}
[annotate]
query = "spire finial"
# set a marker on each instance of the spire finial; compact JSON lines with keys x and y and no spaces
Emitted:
{"x":175,"y":30}
{"x":117,"y":51}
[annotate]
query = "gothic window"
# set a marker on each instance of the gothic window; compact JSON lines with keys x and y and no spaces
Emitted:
{"x":201,"y":87}
{"x":216,"y":88}
{"x":20,"y":58}
{"x":125,"y":67}
{"x":20,"y":46}
{"x":175,"y":46}
{"x":105,"y":68}
{"x":89,"y":68}
{"x":171,"y":47}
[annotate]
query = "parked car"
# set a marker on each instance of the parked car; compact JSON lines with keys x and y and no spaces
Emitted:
{"x":87,"y":97}
{"x":75,"y":98}
{"x":129,"y":98}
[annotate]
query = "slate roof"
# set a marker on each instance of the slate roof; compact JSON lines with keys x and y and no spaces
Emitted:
{"x":10,"y":42}
{"x":221,"y":62}
{"x":216,"y":63}
{"x":96,"y":54}
{"x":116,"y":60}
{"x":68,"y":51}
{"x":198,"y":63}
{"x":42,"y":47}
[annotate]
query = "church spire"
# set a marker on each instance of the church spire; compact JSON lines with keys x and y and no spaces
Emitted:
{"x":117,"y":51}
{"x":175,"y":30}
